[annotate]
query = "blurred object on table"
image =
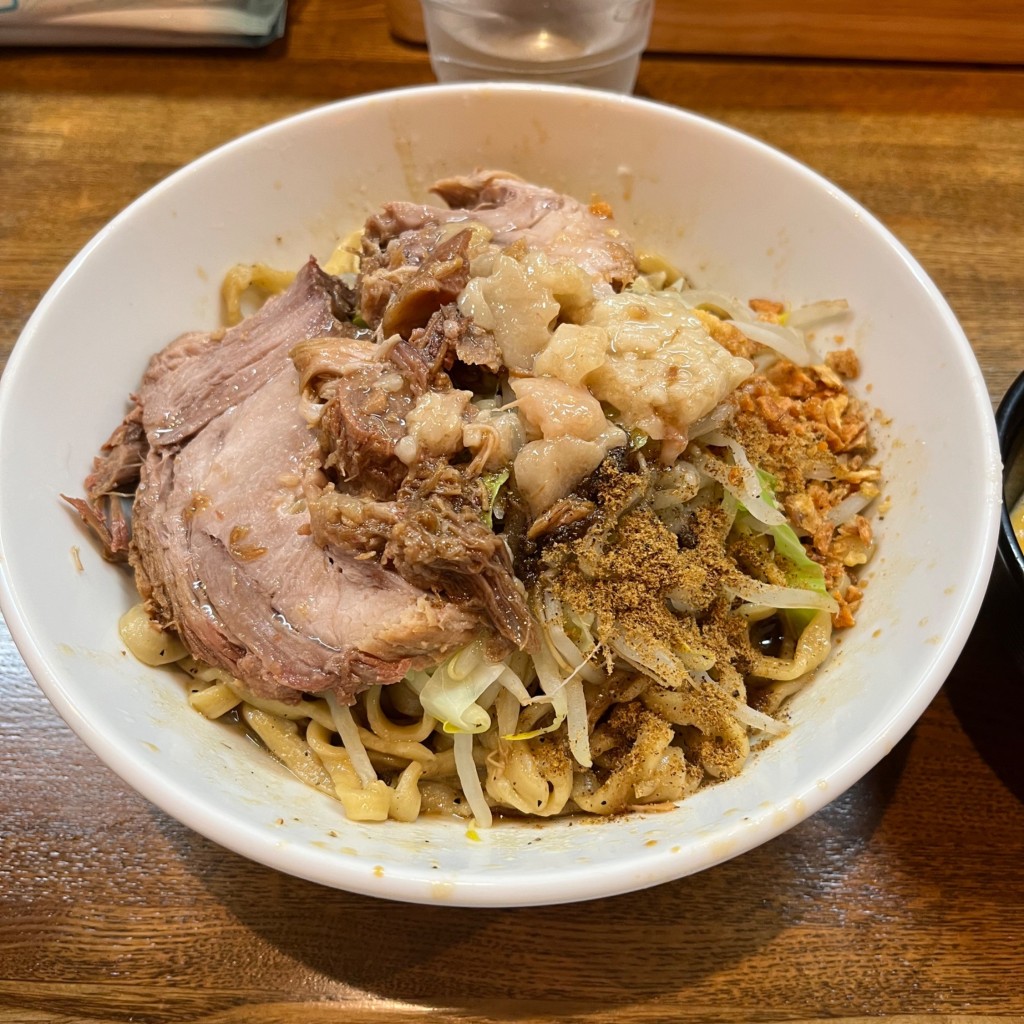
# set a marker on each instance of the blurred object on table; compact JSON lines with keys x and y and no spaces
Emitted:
{"x":1010,"y":423}
{"x":981,"y":31}
{"x":127,"y":23}
{"x":405,"y":20}
{"x":594,"y":43}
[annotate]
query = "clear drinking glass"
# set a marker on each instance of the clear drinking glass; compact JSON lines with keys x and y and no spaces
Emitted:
{"x":595,"y":43}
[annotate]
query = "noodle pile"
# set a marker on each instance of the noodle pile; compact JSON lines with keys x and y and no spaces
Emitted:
{"x":682,"y":592}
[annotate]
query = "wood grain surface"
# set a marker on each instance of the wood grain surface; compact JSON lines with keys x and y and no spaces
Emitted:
{"x":978,"y":31}
{"x":902,"y":900}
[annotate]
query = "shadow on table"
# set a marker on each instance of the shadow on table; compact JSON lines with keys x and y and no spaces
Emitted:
{"x":594,"y":956}
{"x":986,"y":687}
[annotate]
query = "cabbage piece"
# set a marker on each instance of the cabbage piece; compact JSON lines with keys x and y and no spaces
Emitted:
{"x":801,"y":570}
{"x":493,"y":483}
{"x":451,"y":692}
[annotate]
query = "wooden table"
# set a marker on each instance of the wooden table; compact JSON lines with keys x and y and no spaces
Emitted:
{"x":904,"y":899}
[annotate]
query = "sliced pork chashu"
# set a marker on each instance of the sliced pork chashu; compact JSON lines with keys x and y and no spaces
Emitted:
{"x":220,"y":545}
{"x":223,"y":551}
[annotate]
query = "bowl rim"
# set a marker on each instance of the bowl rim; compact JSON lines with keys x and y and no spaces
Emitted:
{"x":250,"y":842}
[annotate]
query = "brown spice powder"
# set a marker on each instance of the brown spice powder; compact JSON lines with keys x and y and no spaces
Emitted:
{"x":626,"y":585}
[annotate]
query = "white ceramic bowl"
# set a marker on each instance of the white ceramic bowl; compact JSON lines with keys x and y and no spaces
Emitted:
{"x":737,"y":216}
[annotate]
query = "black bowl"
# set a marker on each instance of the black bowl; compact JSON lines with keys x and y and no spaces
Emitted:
{"x":1010,"y":424}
